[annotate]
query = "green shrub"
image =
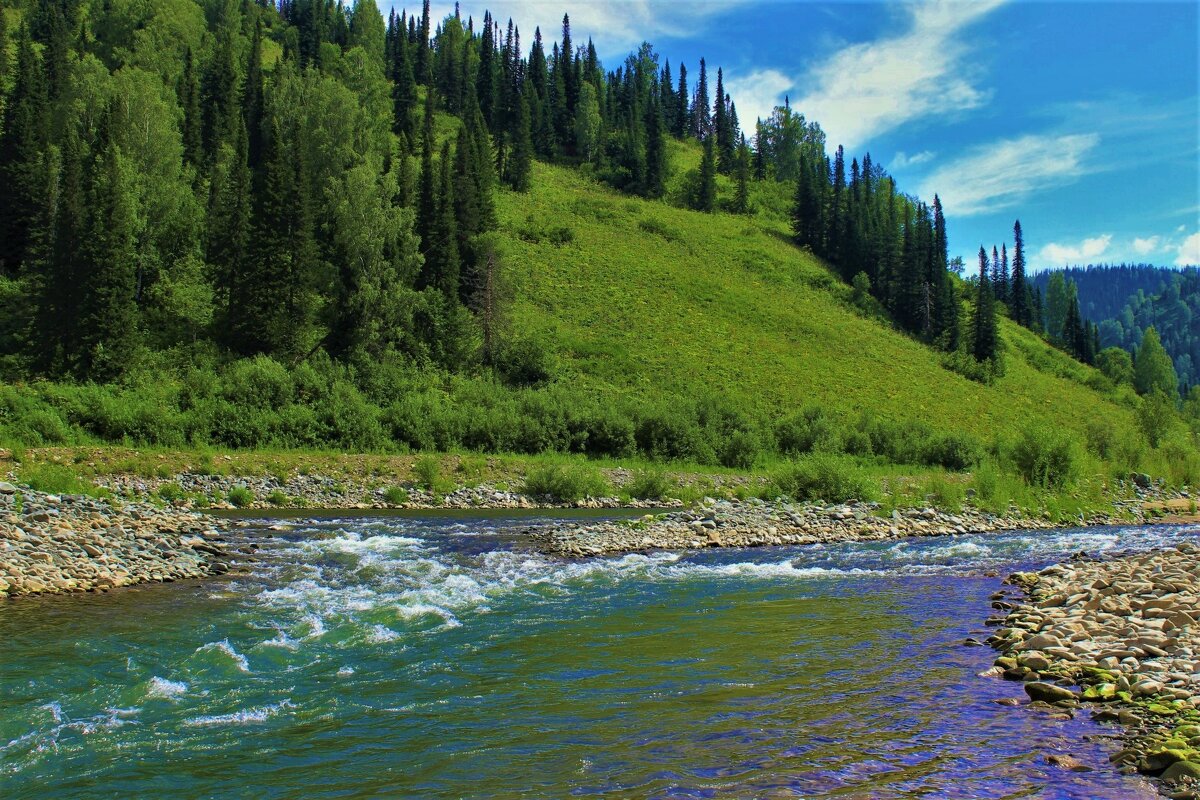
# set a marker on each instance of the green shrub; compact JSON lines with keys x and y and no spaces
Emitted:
{"x":651,"y":225}
{"x":945,"y":494}
{"x":651,"y":484}
{"x":525,"y":362}
{"x":824,"y":476}
{"x":741,"y":450}
{"x":240,"y":496}
{"x":810,"y":430}
{"x":171,"y":491}
{"x":395,"y":495}
{"x":1047,"y":459}
{"x":428,"y":473}
{"x":569,"y":483}
{"x":56,"y":479}
{"x":278,"y":498}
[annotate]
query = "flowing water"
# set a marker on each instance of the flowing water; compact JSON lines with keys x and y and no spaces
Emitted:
{"x":429,"y":657}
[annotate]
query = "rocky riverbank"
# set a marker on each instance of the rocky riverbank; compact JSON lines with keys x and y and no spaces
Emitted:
{"x":1126,"y":631}
{"x":53,"y":544}
{"x":755,"y":523}
{"x":194,"y":490}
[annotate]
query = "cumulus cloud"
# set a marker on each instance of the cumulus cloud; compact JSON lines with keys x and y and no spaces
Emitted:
{"x":1000,"y":174}
{"x":1145,"y":246}
{"x":902,"y":159}
{"x":756,"y":94}
{"x":868,"y":88}
{"x":1189,"y":251}
{"x":1086,"y":250}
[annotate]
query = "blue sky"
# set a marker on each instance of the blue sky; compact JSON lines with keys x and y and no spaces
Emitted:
{"x":1080,"y":118}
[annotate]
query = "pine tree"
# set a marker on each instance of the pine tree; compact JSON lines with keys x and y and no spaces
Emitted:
{"x":1020,"y":307}
{"x":1004,"y":284}
{"x":441,"y":268}
{"x":656,"y":152}
{"x":61,"y":284}
{"x":424,"y":60}
{"x":706,"y":191}
{"x":229,"y":230}
{"x":189,"y":101}
{"x":741,"y":202}
{"x":26,"y":121}
{"x":427,"y":188}
{"x":682,"y":117}
{"x":984,"y":327}
{"x":404,"y":94}
{"x":701,"y":117}
{"x":721,"y":128}
{"x":252,"y":100}
{"x":520,"y":161}
{"x":108,"y":316}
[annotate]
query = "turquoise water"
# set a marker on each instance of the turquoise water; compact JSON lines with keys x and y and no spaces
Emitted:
{"x":429,"y":657}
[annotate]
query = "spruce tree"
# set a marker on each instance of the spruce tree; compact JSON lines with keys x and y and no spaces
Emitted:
{"x":656,"y":152}
{"x":189,"y":101}
{"x":424,"y":59}
{"x":26,"y":121}
{"x":721,"y":128}
{"x":706,"y":191}
{"x":427,"y":188}
{"x":108,"y":316}
{"x":682,"y":117}
{"x":741,"y":202}
{"x":1020,"y":307}
{"x":701,"y":116}
{"x":252,"y":100}
{"x":984,"y":325}
{"x":520,"y":160}
{"x":404,"y":94}
{"x":229,"y":230}
{"x":441,"y":268}
{"x":62,"y":280}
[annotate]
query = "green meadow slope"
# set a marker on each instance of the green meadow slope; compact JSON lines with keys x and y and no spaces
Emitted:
{"x":643,"y":298}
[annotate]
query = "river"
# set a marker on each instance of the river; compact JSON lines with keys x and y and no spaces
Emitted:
{"x":430,"y":657}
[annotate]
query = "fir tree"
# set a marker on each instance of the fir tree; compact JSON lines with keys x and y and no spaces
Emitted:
{"x":25,"y":134}
{"x":656,"y":152}
{"x":701,"y":117}
{"x":189,"y":101}
{"x":682,"y":116}
{"x":404,"y":94}
{"x":1020,"y":307}
{"x":424,"y":59}
{"x":741,"y":202}
{"x":520,"y":161}
{"x":108,"y":316}
{"x":706,"y":190}
{"x":61,"y":281}
{"x":441,"y":269}
{"x":252,"y":100}
{"x":984,"y":328}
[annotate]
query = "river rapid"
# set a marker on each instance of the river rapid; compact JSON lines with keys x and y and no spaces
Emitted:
{"x":432,"y":657}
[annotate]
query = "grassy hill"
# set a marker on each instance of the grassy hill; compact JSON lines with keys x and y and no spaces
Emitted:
{"x":641,"y":298}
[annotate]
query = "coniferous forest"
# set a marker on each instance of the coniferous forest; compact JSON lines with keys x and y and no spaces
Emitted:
{"x":295,"y":207}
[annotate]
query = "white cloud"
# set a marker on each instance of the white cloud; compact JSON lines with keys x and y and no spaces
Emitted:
{"x":755,"y":95}
{"x":1189,"y":251}
{"x":1000,"y":174}
{"x":1145,"y":246}
{"x":868,"y":88}
{"x":902,"y":159}
{"x":1087,"y":250}
{"x":617,"y":26}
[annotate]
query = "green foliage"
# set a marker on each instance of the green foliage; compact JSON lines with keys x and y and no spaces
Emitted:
{"x":1156,"y":416}
{"x":278,"y":498}
{"x":171,"y":491}
{"x":428,"y":473}
{"x":1116,"y":364}
{"x":1152,"y":367}
{"x":1046,"y":458}
{"x":945,"y":494}
{"x":566,"y":483}
{"x":824,"y":477}
{"x":651,"y":484}
{"x":240,"y":496}
{"x":56,"y":479}
{"x":395,"y":495}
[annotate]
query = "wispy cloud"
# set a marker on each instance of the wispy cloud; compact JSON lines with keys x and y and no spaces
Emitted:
{"x":1189,"y":251}
{"x":1086,"y":250}
{"x":617,"y":26}
{"x":868,"y":88}
{"x":1000,"y":174}
{"x":1145,"y":246}
{"x":902,"y":159}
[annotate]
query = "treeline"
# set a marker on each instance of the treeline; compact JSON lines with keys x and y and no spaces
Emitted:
{"x":1105,"y":289}
{"x":1174,"y":313}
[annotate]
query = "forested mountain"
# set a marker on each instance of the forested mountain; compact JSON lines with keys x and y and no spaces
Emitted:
{"x":1105,"y":289}
{"x":252,"y":224}
{"x":1124,"y":300}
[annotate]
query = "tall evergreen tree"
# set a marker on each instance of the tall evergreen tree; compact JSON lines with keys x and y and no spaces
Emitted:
{"x":108,"y":316}
{"x":706,"y":190}
{"x":252,"y":100}
{"x":741,"y":202}
{"x":189,"y":101}
{"x":62,"y":280}
{"x":683,"y":123}
{"x":701,"y":116}
{"x":1020,"y":307}
{"x":25,"y":134}
{"x":656,"y":152}
{"x":230,"y":230}
{"x":520,"y":160}
{"x":424,"y":58}
{"x":984,"y":325}
{"x":404,"y":94}
{"x":442,"y":266}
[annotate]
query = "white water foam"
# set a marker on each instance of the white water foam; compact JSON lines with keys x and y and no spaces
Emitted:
{"x":247,"y":716}
{"x":165,"y":689}
{"x":226,"y":648}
